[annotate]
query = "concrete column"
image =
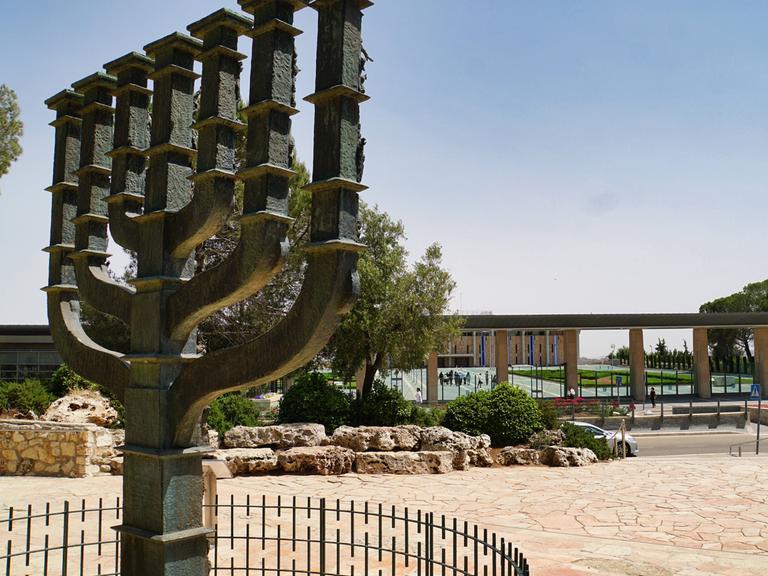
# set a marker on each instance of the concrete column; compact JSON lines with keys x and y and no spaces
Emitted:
{"x":502,"y":356}
{"x":572,"y":360}
{"x":432,"y":378}
{"x":523,"y":355}
{"x":703,"y":381}
{"x":761,"y":359}
{"x":637,"y":364}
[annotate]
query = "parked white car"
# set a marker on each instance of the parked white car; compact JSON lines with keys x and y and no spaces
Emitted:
{"x":597,"y":432}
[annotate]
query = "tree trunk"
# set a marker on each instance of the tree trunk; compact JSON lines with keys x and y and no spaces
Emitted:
{"x":747,"y":350}
{"x":370,"y":374}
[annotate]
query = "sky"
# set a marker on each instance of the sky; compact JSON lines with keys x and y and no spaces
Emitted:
{"x":570,"y":157}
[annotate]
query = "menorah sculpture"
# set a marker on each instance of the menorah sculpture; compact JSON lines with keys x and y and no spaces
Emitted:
{"x":164,"y":182}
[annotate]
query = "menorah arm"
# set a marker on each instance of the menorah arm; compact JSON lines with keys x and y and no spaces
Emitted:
{"x":329,"y":291}
{"x":258,"y":257}
{"x":201,"y":218}
{"x":82,"y":354}
{"x":122,"y":225}
{"x":99,"y":290}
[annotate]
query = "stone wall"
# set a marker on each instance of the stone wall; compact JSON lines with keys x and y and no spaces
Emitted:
{"x":37,"y":448}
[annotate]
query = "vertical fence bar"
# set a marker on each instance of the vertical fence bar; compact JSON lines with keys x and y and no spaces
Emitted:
{"x":82,"y":548}
{"x":8,"y":558}
{"x":407,"y":545}
{"x":352,"y":527}
{"x":503,"y":564}
{"x":322,"y":537}
{"x":65,"y":539}
{"x":29,"y":533}
{"x":381,"y":531}
{"x":100,"y":525}
{"x":455,"y":545}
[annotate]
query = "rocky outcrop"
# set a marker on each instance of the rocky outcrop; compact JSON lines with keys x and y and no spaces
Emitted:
{"x":249,"y":460}
{"x":323,"y":460}
{"x":281,"y":436}
{"x":376,"y":438}
{"x":512,"y":456}
{"x":467,"y":450}
{"x":403,"y":462}
{"x":565,"y":457}
{"x":546,"y":438}
{"x":82,"y":407}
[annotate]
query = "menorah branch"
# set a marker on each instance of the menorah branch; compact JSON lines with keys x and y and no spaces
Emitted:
{"x":254,"y":262}
{"x":79,"y":351}
{"x":329,"y":291}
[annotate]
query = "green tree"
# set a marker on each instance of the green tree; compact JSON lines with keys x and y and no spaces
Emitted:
{"x":661,"y":347}
{"x":726,"y":343}
{"x":400,"y":315}
{"x":11,"y":129}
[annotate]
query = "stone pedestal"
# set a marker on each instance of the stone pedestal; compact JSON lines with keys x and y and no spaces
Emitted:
{"x":703,"y":381}
{"x":637,"y":365}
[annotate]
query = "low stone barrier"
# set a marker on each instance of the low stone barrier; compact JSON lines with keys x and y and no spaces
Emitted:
{"x":40,"y":448}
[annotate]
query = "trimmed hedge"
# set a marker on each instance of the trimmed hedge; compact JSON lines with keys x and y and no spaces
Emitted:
{"x":507,"y":414}
{"x":313,"y":399}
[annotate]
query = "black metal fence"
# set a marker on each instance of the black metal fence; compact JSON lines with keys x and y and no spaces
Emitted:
{"x":270,"y":536}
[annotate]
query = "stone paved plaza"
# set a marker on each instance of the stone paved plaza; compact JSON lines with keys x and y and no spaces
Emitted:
{"x":697,"y":515}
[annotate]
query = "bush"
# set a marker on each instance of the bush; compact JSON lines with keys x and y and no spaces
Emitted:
{"x":426,"y":417}
{"x":549,"y":414}
{"x":506,"y":413}
{"x":25,"y":396}
{"x":64,"y":380}
{"x":384,"y":406}
{"x":576,"y":437}
{"x":469,"y":414}
{"x":232,"y":410}
{"x":313,"y":399}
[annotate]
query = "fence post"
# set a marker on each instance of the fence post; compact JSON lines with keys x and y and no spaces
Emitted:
{"x":322,"y":537}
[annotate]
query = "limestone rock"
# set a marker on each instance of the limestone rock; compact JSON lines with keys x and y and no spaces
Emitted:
{"x":564,"y":457}
{"x":404,"y":462}
{"x":248,"y":460}
{"x":512,"y":455}
{"x":82,"y":407}
{"x":377,"y":438}
{"x":547,"y":438}
{"x":280,"y":436}
{"x":116,"y":466}
{"x":323,"y":460}
{"x":213,"y":439}
{"x":467,"y":450}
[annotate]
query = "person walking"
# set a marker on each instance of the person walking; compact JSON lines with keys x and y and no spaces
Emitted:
{"x":419,"y":398}
{"x":653,"y":397}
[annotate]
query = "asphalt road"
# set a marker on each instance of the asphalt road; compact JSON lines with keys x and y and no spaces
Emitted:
{"x":681,"y":444}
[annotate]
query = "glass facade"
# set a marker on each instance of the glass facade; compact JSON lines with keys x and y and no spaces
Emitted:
{"x":20,"y":365}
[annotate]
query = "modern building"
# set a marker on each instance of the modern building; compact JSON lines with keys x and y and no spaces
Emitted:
{"x":27,"y":352}
{"x":476,"y":348}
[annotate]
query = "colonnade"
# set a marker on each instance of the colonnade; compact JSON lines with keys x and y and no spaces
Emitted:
{"x":569,"y":352}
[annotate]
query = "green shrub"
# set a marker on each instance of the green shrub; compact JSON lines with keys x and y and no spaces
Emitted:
{"x":469,"y":414}
{"x":64,"y":380}
{"x":25,"y":396}
{"x":384,"y":406}
{"x":426,"y":417}
{"x":576,"y":437}
{"x":548,"y":414}
{"x":313,"y":399}
{"x":231,"y":410}
{"x":513,"y":415}
{"x":506,"y":413}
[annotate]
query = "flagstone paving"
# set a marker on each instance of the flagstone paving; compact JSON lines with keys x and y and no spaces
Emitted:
{"x":691,"y":516}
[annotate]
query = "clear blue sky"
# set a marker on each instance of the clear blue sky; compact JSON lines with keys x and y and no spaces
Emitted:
{"x":591,"y":156}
